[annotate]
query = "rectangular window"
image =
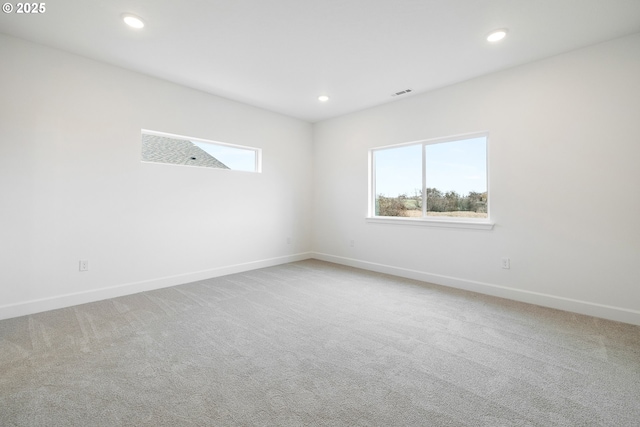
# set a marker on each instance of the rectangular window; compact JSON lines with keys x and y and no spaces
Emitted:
{"x":445,"y":178}
{"x":161,"y":147}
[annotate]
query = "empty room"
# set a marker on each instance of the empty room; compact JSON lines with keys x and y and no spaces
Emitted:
{"x":320,"y":213}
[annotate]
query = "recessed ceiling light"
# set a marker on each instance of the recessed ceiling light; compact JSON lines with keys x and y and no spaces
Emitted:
{"x":497,"y":35}
{"x":323,"y":98}
{"x":133,"y":20}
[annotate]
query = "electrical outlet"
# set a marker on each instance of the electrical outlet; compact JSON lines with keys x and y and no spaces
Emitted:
{"x":506,"y":263}
{"x":84,"y":265}
{"x":352,"y":243}
{"x":288,"y":240}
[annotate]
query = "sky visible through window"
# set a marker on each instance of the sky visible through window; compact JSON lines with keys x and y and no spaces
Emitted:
{"x":233,"y":157}
{"x":459,"y":166}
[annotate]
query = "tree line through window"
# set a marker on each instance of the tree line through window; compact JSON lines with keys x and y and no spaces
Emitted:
{"x":437,"y":178}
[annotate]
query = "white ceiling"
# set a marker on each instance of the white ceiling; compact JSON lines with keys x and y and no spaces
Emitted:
{"x":281,"y":54}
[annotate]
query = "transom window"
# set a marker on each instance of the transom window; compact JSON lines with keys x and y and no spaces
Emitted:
{"x":161,"y":147}
{"x":433,"y":179}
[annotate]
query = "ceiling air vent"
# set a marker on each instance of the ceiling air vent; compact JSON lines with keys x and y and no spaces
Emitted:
{"x":402,"y":92}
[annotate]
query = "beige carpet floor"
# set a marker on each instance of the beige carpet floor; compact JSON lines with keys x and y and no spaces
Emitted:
{"x":316,"y":344}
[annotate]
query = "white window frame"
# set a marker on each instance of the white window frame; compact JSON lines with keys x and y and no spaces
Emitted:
{"x":424,"y":221}
{"x":258,"y":151}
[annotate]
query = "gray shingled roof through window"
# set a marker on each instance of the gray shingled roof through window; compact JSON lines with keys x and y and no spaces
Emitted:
{"x":161,"y":149}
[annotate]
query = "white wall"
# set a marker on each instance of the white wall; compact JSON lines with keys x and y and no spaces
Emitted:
{"x":72,"y":185}
{"x":564,"y":177}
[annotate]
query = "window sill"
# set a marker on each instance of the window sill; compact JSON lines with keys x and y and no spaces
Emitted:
{"x":437,"y":223}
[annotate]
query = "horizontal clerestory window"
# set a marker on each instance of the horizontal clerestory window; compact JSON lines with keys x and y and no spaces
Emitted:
{"x":440,"y":179}
{"x":158,"y":147}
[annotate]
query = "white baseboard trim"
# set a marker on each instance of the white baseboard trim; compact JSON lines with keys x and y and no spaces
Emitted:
{"x":67,"y":300}
{"x":567,"y":304}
